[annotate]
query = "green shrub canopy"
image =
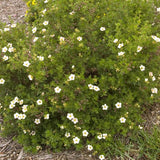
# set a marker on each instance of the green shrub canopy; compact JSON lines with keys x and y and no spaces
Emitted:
{"x":76,"y":74}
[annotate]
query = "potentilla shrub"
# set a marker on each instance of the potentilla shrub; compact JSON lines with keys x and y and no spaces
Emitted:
{"x":78,"y":73}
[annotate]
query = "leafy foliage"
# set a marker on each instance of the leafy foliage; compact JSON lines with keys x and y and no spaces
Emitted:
{"x":78,"y":72}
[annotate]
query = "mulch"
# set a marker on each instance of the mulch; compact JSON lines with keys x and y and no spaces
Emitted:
{"x":9,"y":149}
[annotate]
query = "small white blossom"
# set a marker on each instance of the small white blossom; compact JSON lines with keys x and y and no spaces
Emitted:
{"x":37,"y":121}
{"x":102,"y":29}
{"x":100,"y":136}
{"x":16,"y":115}
{"x":6,"y":29}
{"x":57,"y":90}
{"x":11,"y":49}
{"x":46,"y":116}
{"x":61,"y":39}
{"x":70,"y":116}
{"x":23,"y":116}
{"x":79,"y":38}
{"x":34,"y":29}
{"x":115,"y":40}
{"x":4,"y":49}
{"x":105,"y":135}
{"x":43,"y":30}
{"x":153,"y":78}
{"x":67,"y":134}
{"x":104,"y":107}
{"x":11,"y":106}
{"x":85,"y":133}
{"x":120,"y":45}
{"x":122,"y":120}
{"x":46,"y":1}
{"x":76,"y":140}
{"x":2,"y":81}
{"x":26,"y":63}
{"x":156,"y":38}
{"x":41,"y":58}
{"x":30,"y":77}
{"x":90,"y":147}
{"x":45,"y":23}
{"x":21,"y":102}
{"x":13,"y":25}
{"x":5,"y":58}
{"x":140,"y":127}
{"x":71,"y":77}
{"x":96,"y":88}
{"x":142,"y":68}
{"x":158,"y":9}
{"x":118,"y":105}
{"x":75,"y":120}
{"x":71,"y":13}
{"x":35,"y":39}
{"x":101,"y":157}
{"x":139,"y":48}
{"x":24,"y":108}
{"x":154,"y":90}
{"x":121,"y":53}
{"x":90,"y":86}
{"x":39,"y":102}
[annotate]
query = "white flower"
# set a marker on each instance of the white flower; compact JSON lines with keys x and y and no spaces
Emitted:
{"x":45,"y":23}
{"x":57,"y":90}
{"x":46,"y":116}
{"x":24,"y":131}
{"x":6,"y":29}
{"x":101,"y":157}
{"x":122,"y":120}
{"x":75,"y":120}
{"x":41,"y":58}
{"x":5,"y":58}
{"x":146,"y":79}
{"x":11,"y":49}
{"x":76,"y":140}
{"x":115,"y":41}
{"x":120,"y":45}
{"x":21,"y":102}
{"x":104,"y":107}
{"x":62,"y":127}
{"x":71,"y":13}
{"x":20,"y":116}
{"x":30,"y":77}
{"x":150,"y":74}
{"x":158,"y":9}
{"x":61,"y":39}
{"x":49,"y":56}
{"x":35,"y":39}
{"x":104,"y":135}
{"x":46,"y":1}
{"x":39,"y":102}
{"x":102,"y":28}
{"x":34,"y":29}
{"x":153,"y":78}
{"x":154,"y":90}
{"x":90,"y":86}
{"x":71,"y":77}
{"x":140,"y":127}
{"x":90,"y":147}
{"x":70,"y":116}
{"x":37,"y":121}
{"x":4,"y":49}
{"x":26,"y":63}
{"x":118,"y":105}
{"x":142,"y":68}
{"x":79,"y":38}
{"x":100,"y":136}
{"x":139,"y":48}
{"x":16,"y":115}
{"x":85,"y":133}
{"x":156,"y":38}
{"x":2,"y":81}
{"x":23,"y":116}
{"x":43,"y":30}
{"x":24,"y":108}
{"x":73,"y":66}
{"x":44,"y":11}
{"x":9,"y":44}
{"x":96,"y":88}
{"x":13,"y":25}
{"x":121,"y":53}
{"x":67,"y":134}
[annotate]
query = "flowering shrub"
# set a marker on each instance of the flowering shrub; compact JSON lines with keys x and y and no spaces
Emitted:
{"x":78,"y":72}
